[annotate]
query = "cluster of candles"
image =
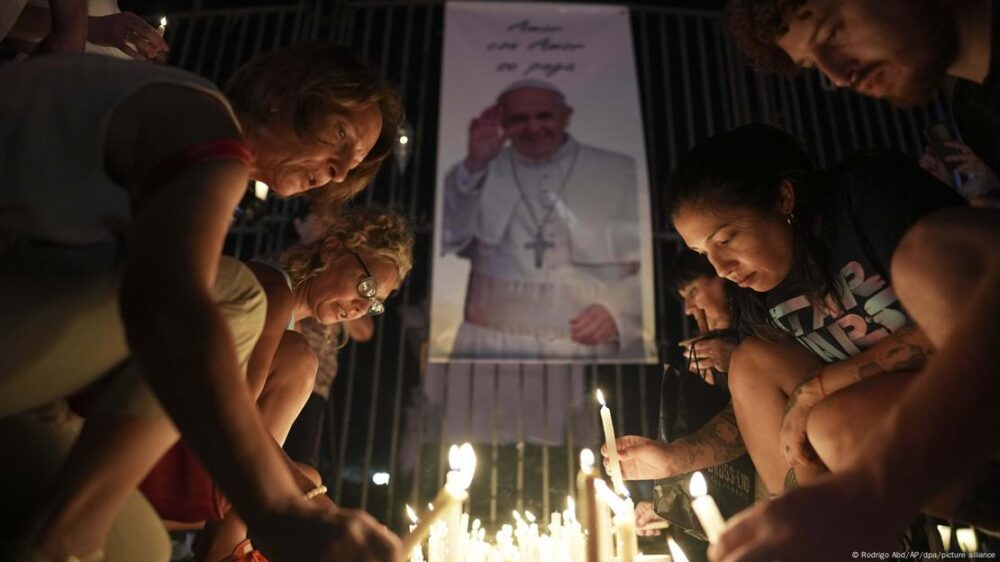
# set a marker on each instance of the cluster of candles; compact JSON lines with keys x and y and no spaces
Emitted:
{"x":604,"y":529}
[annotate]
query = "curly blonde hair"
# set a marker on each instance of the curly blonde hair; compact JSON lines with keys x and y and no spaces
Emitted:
{"x":370,"y":230}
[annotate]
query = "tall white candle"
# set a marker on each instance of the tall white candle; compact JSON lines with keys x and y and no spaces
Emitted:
{"x":602,"y":513}
{"x":588,"y":503}
{"x":704,"y":507}
{"x":610,"y":443}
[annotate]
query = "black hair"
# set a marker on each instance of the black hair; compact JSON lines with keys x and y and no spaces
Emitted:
{"x":744,"y":169}
{"x":690,"y":265}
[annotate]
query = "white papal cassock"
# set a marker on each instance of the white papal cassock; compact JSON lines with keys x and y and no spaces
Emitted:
{"x":585,"y":200}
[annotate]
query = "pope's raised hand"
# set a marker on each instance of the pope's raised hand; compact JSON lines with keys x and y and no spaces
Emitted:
{"x":486,"y":139}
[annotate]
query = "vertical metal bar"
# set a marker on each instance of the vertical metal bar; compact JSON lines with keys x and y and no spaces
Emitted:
{"x":643,"y":402}
{"x":345,"y":425}
{"x":620,"y":401}
{"x":442,"y":446}
{"x":817,"y":132}
{"x":241,"y":39}
{"x":421,"y":136}
{"x":545,"y":443}
{"x":727,"y":91}
{"x":419,"y":447}
{"x":520,"y":437}
{"x":495,"y":451}
{"x":571,"y":418}
{"x":667,"y":74}
{"x":397,"y":403}
{"x":279,"y":25}
{"x":223,"y":36}
{"x":186,"y":44}
{"x":686,"y":80}
{"x":706,"y":90}
{"x":203,"y":47}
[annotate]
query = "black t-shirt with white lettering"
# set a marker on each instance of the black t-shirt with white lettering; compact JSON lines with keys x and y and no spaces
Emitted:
{"x":873,"y":198}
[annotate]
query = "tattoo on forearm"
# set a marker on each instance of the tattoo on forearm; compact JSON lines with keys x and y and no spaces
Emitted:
{"x":716,"y":442}
{"x":793,"y":398}
{"x":790,"y":480}
{"x":908,"y":354}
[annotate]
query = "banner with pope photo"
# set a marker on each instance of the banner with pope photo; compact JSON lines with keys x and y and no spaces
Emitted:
{"x":543,"y":242}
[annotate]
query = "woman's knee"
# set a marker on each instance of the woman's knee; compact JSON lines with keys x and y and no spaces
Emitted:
{"x":757,"y":364}
{"x":829,"y":434}
{"x":295,"y":362}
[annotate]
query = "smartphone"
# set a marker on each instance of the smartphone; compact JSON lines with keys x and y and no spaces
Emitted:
{"x":937,"y":135}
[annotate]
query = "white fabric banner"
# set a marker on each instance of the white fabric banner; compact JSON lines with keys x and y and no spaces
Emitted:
{"x":543,"y":246}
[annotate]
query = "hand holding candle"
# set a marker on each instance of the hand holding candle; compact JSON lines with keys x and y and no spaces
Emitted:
{"x":463,"y":466}
{"x":611,"y":445}
{"x":704,"y":507}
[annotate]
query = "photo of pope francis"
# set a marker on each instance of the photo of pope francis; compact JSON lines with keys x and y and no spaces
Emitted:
{"x":550,"y":225}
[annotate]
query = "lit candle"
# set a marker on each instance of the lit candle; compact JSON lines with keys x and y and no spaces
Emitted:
{"x":417,"y":555}
{"x":610,"y":443}
{"x":675,"y":551}
{"x":588,"y":502}
{"x":624,"y":523}
{"x":163,"y":26}
{"x":945,"y":532}
{"x":628,"y":542}
{"x":605,"y":535}
{"x":704,"y":507}
{"x":449,"y":499}
{"x":967,"y":540}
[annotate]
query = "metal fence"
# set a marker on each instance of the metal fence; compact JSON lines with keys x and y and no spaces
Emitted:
{"x":693,"y":84}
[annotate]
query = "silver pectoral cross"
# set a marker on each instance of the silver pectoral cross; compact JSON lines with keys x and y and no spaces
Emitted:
{"x":539,"y":245}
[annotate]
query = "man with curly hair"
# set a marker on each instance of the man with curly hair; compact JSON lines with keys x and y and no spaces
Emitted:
{"x":902,"y":51}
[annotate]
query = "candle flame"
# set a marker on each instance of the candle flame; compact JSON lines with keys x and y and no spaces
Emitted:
{"x":430,"y":506}
{"x":463,"y":462}
{"x":675,"y":551}
{"x":945,"y":532}
{"x":586,"y":460}
{"x":411,"y":514}
{"x":476,"y":524}
{"x":967,"y":540}
{"x":529,"y":516}
{"x":616,"y":504}
{"x":698,"y":485}
{"x":517,"y":516}
{"x":163,"y":21}
{"x":600,"y":397}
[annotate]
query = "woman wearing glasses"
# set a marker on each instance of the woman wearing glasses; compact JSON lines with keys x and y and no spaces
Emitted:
{"x":345,"y":275}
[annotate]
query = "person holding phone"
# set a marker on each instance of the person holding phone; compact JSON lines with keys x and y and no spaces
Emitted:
{"x":944,"y":157}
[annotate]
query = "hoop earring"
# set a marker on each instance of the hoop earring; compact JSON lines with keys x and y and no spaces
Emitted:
{"x":790,"y":218}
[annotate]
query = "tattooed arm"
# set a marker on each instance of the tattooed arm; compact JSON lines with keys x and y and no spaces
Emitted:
{"x":905,"y":350}
{"x":716,"y":442}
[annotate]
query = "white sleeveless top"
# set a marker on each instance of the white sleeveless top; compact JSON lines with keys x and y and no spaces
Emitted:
{"x":54,"y":113}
